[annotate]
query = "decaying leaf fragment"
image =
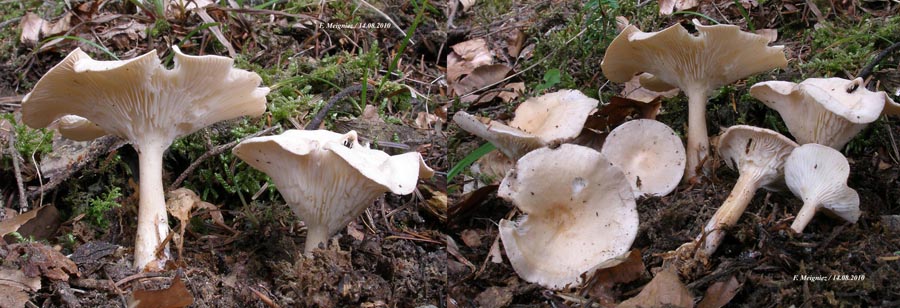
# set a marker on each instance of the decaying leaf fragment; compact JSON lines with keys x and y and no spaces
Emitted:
{"x":664,"y":290}
{"x":175,"y":296}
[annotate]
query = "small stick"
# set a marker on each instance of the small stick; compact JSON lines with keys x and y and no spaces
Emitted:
{"x":216,"y":151}
{"x":867,"y":71}
{"x":11,"y":145}
{"x":317,"y":120}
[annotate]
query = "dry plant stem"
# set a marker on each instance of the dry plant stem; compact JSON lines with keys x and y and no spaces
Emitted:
{"x":697,"y":139}
{"x":805,"y":216}
{"x":729,"y":213}
{"x":14,"y":155}
{"x":153,"y":226}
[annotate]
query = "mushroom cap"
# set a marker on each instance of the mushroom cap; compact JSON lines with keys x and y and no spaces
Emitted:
{"x":140,"y":99}
{"x":756,"y":151}
{"x":717,"y":55}
{"x":818,"y":174}
{"x":579,"y":213}
{"x":819,"y":110}
{"x":650,"y":153}
{"x":327,"y":178}
{"x":538,"y":121}
{"x":79,"y":129}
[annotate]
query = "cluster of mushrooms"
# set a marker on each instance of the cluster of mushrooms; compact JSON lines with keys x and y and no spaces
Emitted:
{"x":326,"y":178}
{"x":562,"y":187}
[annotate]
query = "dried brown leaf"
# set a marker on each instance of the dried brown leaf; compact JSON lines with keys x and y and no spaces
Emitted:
{"x":41,"y":260}
{"x":12,"y":224}
{"x":769,"y":34}
{"x":493,"y":166}
{"x":16,"y":279}
{"x":175,"y":296}
{"x":603,"y":280}
{"x":471,"y":238}
{"x":517,"y":89}
{"x":664,"y":289}
{"x":60,"y":26}
{"x":370,"y":114}
{"x":480,"y":78}
{"x":634,"y":90}
{"x":30,"y":27}
{"x":515,"y":41}
{"x":720,"y":293}
{"x":466,"y":57}
{"x":467,"y":4}
{"x":426,"y":120}
{"x":619,"y":110}
{"x":666,"y":7}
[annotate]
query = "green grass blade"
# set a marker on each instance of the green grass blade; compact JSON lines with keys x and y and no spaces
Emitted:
{"x":80,"y":39}
{"x":740,"y":7}
{"x":469,"y":159}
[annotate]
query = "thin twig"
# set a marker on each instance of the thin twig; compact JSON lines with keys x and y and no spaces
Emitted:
{"x":866,"y":71}
{"x":216,"y":151}
{"x":11,"y":145}
{"x":317,"y":120}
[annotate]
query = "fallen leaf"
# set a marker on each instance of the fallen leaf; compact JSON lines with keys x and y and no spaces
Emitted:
{"x":12,"y":224}
{"x":179,"y":203}
{"x":664,"y":289}
{"x":471,"y":238}
{"x":600,"y":285}
{"x":493,"y":166}
{"x":517,"y":89}
{"x":41,"y":260}
{"x":496,"y":256}
{"x":466,"y":57}
{"x":619,"y":110}
{"x":14,"y":285}
{"x":467,"y":4}
{"x":515,"y":41}
{"x":720,"y":293}
{"x":30,"y":27}
{"x":176,"y":295}
{"x":426,"y":120}
{"x":769,"y":34}
{"x":494,"y":297}
{"x":370,"y":114}
{"x":666,"y":7}
{"x":214,"y":213}
{"x":353,"y":231}
{"x":634,"y":90}
{"x":480,"y":78}
{"x":60,"y":26}
{"x":43,"y":225}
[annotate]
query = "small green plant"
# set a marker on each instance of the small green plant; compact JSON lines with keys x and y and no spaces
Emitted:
{"x":96,"y":212}
{"x":551,"y":78}
{"x":30,"y":141}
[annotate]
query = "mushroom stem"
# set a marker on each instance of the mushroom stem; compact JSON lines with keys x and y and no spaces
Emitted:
{"x":805,"y":216}
{"x":728,"y":214}
{"x":153,"y":222}
{"x":315,"y":235}
{"x":697,"y":139}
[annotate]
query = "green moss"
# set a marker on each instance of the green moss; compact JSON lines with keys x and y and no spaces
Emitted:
{"x":838,"y":48}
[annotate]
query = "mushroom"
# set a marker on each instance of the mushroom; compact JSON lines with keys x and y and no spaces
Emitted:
{"x":579,"y":215}
{"x":818,"y":175}
{"x":79,"y":129}
{"x":649,"y":153}
{"x":758,"y":154}
{"x":328,"y":179}
{"x":141,"y":101}
{"x":827,"y":111}
{"x":696,"y":64}
{"x":539,"y":121}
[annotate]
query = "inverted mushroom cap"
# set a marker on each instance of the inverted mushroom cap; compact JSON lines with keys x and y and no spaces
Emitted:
{"x":538,"y":122}
{"x":756,"y":150}
{"x":327,"y":178}
{"x":79,"y":129}
{"x":650,"y":153}
{"x":717,"y":55}
{"x":820,"y":110}
{"x":817,"y":174}
{"x":140,"y":99}
{"x":579,"y":213}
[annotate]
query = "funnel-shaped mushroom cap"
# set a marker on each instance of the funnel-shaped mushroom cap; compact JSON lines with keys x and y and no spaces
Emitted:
{"x":650,"y":153}
{"x":79,"y":129}
{"x":757,"y":152}
{"x":139,"y":99}
{"x":538,"y":122}
{"x":820,"y":110}
{"x":327,"y":178}
{"x":717,"y":55}
{"x":818,"y":175}
{"x":579,"y":213}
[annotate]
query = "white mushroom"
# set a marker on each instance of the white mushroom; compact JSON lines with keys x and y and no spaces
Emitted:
{"x":539,"y":121}
{"x":758,"y":154}
{"x":329,"y":179}
{"x":697,"y":64}
{"x":650,"y":154}
{"x":818,"y":175}
{"x":143,"y":102}
{"x":827,"y":111}
{"x":79,"y":129}
{"x":579,"y":215}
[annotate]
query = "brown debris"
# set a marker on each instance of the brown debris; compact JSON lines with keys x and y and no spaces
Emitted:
{"x":37,"y":259}
{"x":720,"y":293}
{"x":175,"y":296}
{"x":664,"y":289}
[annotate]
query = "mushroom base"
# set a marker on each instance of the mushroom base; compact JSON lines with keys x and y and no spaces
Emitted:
{"x":153,"y":221}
